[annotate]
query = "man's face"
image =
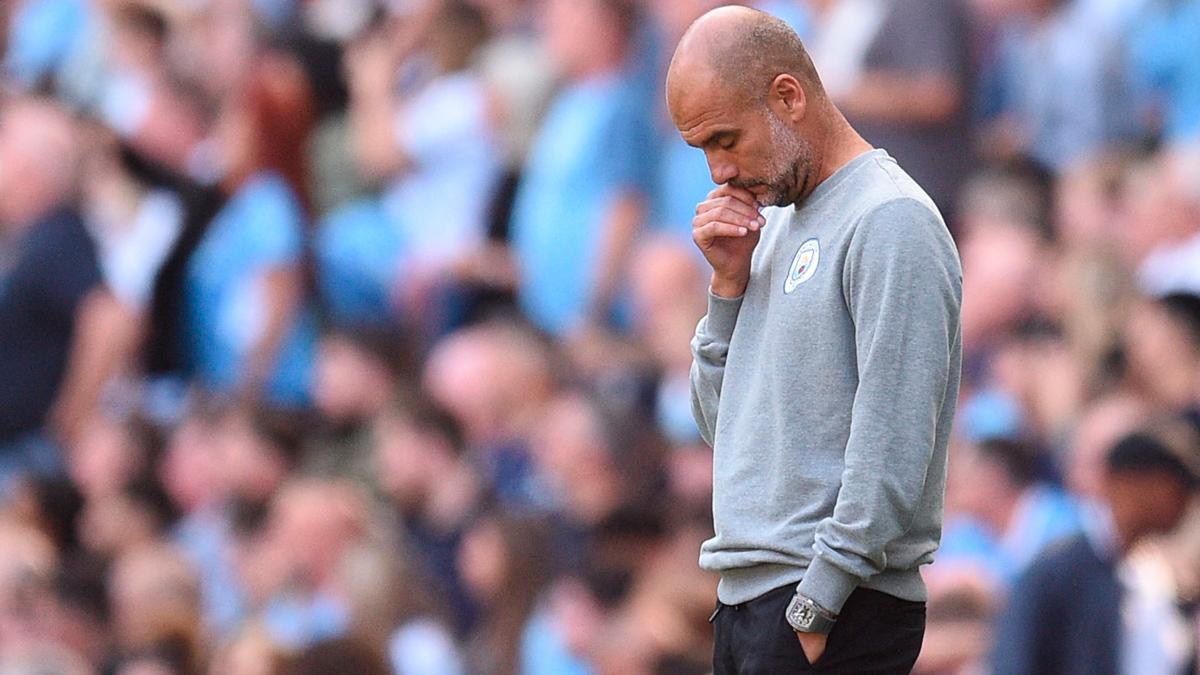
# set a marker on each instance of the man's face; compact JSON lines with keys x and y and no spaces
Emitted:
{"x":1166,"y":502}
{"x":576,"y":33}
{"x":1154,"y":501}
{"x":745,"y":143}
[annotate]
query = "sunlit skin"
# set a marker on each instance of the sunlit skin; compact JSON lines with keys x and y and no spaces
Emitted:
{"x":747,"y":144}
{"x":770,"y":137}
{"x":769,"y":134}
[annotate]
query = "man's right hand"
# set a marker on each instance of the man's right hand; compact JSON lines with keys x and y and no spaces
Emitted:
{"x":726,"y":229}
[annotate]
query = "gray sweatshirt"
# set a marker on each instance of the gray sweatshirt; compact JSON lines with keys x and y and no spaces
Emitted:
{"x":827,"y":392}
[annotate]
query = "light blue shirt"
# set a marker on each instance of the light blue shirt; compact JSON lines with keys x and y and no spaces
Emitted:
{"x":544,"y":651}
{"x":1165,"y":55}
{"x":42,"y":34}
{"x":358,"y":248}
{"x":794,"y":13}
{"x":441,"y":205}
{"x":595,"y":144}
{"x":260,"y":228}
{"x":1066,"y":85}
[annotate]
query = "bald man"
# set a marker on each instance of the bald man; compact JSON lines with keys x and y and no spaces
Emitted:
{"x":53,"y":270}
{"x":826,"y":371}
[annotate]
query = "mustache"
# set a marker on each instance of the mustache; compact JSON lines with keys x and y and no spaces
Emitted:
{"x":746,"y":184}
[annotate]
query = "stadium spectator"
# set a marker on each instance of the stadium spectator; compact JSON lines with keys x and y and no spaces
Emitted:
{"x":1007,"y":514}
{"x":1065,"y":613}
{"x":252,"y":331}
{"x":582,"y":197}
{"x":911,"y":95}
{"x":1164,"y":69}
{"x":433,"y":147}
{"x":252,"y":420}
{"x":49,"y":278}
{"x":1062,"y":83}
{"x":505,"y":563}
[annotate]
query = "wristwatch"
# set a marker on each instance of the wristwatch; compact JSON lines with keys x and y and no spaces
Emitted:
{"x":806,"y":616}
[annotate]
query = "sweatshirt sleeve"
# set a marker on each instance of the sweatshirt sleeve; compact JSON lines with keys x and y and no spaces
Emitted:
{"x":903,"y":287}
{"x":710,"y":346}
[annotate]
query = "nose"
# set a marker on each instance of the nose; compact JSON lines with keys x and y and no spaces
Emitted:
{"x":721,"y":171}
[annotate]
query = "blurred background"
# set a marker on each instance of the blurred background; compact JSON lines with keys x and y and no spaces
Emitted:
{"x":352,"y":336}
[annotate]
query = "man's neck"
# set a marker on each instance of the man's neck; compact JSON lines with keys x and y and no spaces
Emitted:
{"x":841,"y":146}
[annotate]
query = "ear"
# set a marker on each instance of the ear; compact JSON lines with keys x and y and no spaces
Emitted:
{"x":788,"y":97}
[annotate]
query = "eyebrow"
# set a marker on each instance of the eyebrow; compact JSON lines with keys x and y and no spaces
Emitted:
{"x":714,"y":137}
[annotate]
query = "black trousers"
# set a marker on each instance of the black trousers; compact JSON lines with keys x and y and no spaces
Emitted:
{"x":875,"y":633}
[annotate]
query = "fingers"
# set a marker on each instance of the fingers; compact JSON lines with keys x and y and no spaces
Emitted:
{"x":705,"y":234}
{"x":733,"y":200}
{"x":729,"y":201}
{"x":741,"y":194}
{"x":730,"y":211}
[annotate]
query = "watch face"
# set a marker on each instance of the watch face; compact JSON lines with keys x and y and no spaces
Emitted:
{"x":803,"y":614}
{"x":807,"y":615}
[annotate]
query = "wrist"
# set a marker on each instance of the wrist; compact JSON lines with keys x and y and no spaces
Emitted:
{"x":728,"y":288}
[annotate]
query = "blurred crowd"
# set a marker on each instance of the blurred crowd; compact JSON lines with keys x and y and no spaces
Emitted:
{"x":352,"y":336}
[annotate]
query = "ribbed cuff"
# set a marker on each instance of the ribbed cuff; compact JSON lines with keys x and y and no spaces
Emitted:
{"x":722,"y":316}
{"x":827,"y":584}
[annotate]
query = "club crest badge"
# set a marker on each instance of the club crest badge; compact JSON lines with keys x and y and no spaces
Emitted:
{"x":804,"y":265}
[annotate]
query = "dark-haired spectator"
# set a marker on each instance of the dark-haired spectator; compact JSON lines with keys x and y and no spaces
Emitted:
{"x":1107,"y":420}
{"x":292,"y":582}
{"x":190,"y":471}
{"x":422,"y":466}
{"x":506,"y":563}
{"x":1007,"y":514}
{"x":137,"y":516}
{"x":223,"y":470}
{"x":358,"y":373}
{"x":495,"y":379}
{"x":339,"y":655}
{"x":1162,"y":343}
{"x":1068,"y":613}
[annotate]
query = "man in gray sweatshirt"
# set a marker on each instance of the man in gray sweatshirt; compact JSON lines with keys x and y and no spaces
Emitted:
{"x":826,"y":371}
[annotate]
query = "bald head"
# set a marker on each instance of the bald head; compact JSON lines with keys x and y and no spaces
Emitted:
{"x":37,"y":158}
{"x":739,"y":51}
